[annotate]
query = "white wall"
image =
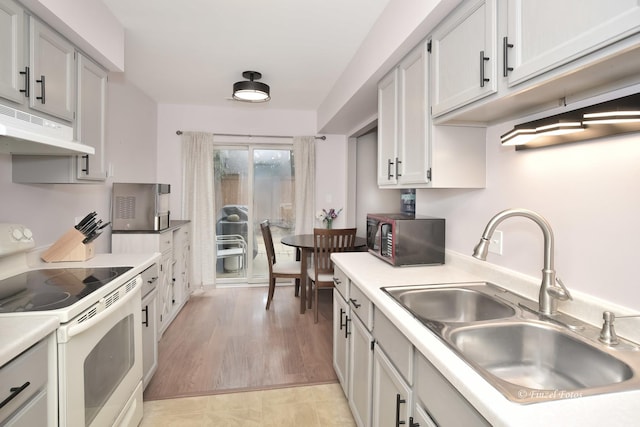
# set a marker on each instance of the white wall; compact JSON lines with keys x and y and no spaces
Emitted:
{"x":331,"y":155}
{"x":50,"y":209}
{"x":590,"y":194}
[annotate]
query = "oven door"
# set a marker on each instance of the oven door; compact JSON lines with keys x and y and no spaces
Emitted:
{"x":100,"y":364}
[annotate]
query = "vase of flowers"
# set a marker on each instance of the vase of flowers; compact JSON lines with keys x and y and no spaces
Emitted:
{"x":328,"y":216}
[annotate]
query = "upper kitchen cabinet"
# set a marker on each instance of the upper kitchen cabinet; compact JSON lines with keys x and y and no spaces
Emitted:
{"x":463,"y":60}
{"x":387,"y":128}
{"x":13,"y":75}
{"x":52,"y":82}
{"x":90,"y":130}
{"x":549,"y":53}
{"x":545,"y":34}
{"x":412,"y":153}
{"x":91,"y":119}
{"x":402,"y":122}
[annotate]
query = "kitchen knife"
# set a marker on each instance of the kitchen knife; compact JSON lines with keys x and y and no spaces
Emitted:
{"x":92,"y":228}
{"x":91,"y":237}
{"x":85,"y":220}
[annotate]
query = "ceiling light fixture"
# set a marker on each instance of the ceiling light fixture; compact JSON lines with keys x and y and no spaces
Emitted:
{"x":250,"y":90}
{"x":613,"y":117}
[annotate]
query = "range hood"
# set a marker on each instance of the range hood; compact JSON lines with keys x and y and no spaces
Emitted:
{"x":24,"y":133}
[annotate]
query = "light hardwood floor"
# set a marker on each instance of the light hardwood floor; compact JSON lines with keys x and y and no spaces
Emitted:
{"x":225,"y":341}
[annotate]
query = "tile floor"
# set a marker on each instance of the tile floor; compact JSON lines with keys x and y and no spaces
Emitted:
{"x":310,"y":406}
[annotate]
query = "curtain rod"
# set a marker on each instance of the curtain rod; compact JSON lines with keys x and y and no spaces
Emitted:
{"x":179,"y":132}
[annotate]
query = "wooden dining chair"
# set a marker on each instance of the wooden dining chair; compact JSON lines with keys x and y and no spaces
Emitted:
{"x":282,"y":269}
{"x":326,"y":242}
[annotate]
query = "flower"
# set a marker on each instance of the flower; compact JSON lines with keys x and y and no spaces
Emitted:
{"x":328,"y":216}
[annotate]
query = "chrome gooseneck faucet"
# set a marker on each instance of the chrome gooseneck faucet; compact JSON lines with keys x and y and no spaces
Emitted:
{"x":549,"y":292}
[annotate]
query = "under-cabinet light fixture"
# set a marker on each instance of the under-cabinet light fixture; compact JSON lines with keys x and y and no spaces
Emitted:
{"x":613,"y":117}
{"x":250,"y":90}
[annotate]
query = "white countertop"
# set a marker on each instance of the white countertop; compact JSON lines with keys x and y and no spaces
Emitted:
{"x":18,"y":336}
{"x":18,"y":333}
{"x":370,"y":274}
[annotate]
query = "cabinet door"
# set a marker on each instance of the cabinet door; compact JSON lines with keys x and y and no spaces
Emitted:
{"x":463,"y":61}
{"x":360,"y":372}
{"x":392,"y":398}
{"x":12,"y":52}
{"x":548,"y":33}
{"x":341,"y":341}
{"x":52,"y":72}
{"x":165,"y":293}
{"x":387,"y":128}
{"x":92,"y":107}
{"x":149,"y":336}
{"x":413,"y":117}
{"x":421,"y":418}
{"x":181,"y":257}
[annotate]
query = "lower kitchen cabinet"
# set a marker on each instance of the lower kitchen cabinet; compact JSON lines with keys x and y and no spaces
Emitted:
{"x":174,"y":288}
{"x":149,"y":336}
{"x":360,"y":372}
{"x":341,"y":340}
{"x":392,"y":397}
{"x":353,"y":347}
{"x":29,"y":393}
{"x":387,"y":381}
{"x":441,"y":400}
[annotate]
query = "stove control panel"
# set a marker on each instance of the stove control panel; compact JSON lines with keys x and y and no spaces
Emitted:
{"x":15,"y":238}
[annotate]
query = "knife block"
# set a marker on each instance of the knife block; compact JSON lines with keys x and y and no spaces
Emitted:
{"x":69,"y":247}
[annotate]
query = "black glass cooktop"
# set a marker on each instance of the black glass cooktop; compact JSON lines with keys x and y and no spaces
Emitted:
{"x":50,"y":289}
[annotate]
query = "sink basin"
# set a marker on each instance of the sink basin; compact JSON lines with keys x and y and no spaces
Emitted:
{"x":538,"y":356}
{"x":530,"y":358}
{"x":451,"y":304}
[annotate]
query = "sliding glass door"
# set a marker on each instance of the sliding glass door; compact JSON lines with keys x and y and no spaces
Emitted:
{"x":252,"y":184}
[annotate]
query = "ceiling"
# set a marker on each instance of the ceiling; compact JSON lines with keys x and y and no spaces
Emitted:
{"x":192,"y":51}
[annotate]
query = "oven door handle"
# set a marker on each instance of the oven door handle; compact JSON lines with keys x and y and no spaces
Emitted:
{"x":67,"y":333}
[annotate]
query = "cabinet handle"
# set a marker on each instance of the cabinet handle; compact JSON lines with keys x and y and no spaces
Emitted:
{"x":14,"y":392}
{"x":412,"y":424}
{"x":342,"y":312}
{"x":86,"y":163}
{"x":42,"y":90}
{"x":483,"y":59}
{"x":145,"y":322}
{"x":399,"y":400}
{"x":27,"y":81}
{"x":355,"y":303}
{"x":398,"y":161}
{"x":336,"y":281}
{"x":346,"y":327}
{"x":505,"y":56}
{"x":389,"y":163}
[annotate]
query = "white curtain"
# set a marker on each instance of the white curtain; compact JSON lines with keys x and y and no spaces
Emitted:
{"x":304,"y":152}
{"x":197,"y":203}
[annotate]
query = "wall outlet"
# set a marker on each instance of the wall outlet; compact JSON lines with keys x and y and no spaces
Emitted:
{"x":495,"y":245}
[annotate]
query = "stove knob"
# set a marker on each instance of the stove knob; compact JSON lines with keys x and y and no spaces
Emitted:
{"x":27,"y":233}
{"x":17,"y":234}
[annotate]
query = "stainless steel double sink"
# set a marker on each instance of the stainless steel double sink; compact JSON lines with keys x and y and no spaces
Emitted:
{"x":528,"y":357}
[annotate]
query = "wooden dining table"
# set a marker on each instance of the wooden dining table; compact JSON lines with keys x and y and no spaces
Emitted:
{"x":304,"y":248}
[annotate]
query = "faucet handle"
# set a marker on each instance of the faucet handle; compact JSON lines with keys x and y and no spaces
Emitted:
{"x":608,"y":333}
{"x":561,"y":293}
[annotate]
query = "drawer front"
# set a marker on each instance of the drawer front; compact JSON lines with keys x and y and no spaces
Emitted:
{"x":25,"y":375}
{"x":341,"y":282}
{"x":395,"y":345}
{"x":444,"y":403}
{"x":166,"y":242}
{"x":361,"y":306}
